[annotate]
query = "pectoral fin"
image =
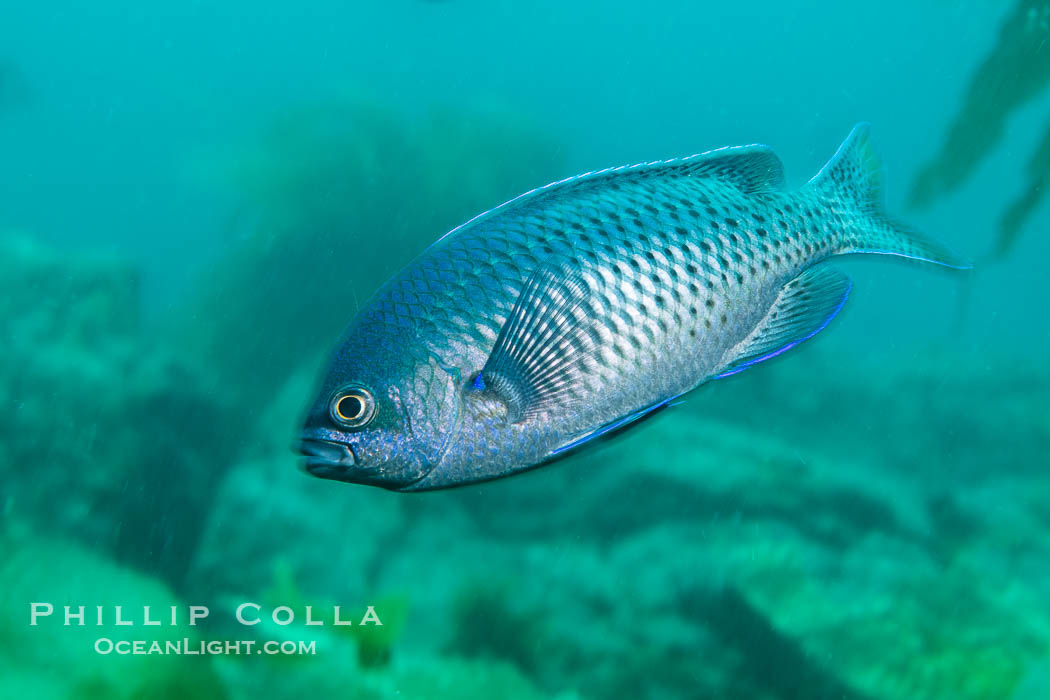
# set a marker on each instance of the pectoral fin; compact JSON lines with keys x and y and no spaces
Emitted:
{"x":804,"y":307}
{"x":539,"y":359}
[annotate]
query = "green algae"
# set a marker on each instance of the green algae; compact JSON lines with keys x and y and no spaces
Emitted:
{"x":59,"y":661}
{"x":1015,"y":72}
{"x":375,"y":640}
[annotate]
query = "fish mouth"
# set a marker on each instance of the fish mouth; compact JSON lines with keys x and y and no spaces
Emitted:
{"x":326,"y":459}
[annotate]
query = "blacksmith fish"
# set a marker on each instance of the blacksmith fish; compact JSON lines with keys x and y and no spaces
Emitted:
{"x":580,"y":307}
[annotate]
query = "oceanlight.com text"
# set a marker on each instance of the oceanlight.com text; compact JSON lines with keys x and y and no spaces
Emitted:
{"x":195,"y":647}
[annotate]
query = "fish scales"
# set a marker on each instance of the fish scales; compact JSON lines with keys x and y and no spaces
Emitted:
{"x":665,"y":267}
{"x":574,"y":309}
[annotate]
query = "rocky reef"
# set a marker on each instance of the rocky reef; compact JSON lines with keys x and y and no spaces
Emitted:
{"x":726,"y":563}
{"x":110,"y":436}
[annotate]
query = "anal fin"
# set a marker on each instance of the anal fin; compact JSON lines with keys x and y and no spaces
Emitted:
{"x":804,"y":307}
{"x":613,"y":426}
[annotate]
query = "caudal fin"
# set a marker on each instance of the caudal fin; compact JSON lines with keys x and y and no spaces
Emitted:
{"x":854,"y":175}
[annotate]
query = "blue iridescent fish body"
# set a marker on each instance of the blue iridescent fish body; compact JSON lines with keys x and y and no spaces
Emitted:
{"x":578,"y":308}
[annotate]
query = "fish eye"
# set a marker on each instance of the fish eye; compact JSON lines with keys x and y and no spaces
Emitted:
{"x":352,"y":406}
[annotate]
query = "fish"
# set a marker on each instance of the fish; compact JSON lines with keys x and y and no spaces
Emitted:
{"x":577,"y":309}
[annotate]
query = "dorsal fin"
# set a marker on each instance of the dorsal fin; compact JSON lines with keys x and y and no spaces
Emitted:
{"x":804,"y":307}
{"x":751,"y":169}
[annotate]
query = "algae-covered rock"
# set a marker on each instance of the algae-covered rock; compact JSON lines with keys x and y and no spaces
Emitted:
{"x":418,"y":678}
{"x":109,"y":436}
{"x":55,"y":660}
{"x":788,"y":560}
